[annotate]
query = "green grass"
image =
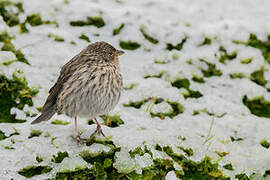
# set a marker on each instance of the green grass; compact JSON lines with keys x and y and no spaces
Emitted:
{"x":206,"y":41}
{"x":31,"y":171}
{"x":56,"y":37}
{"x":177,"y":108}
{"x":159,"y":75}
{"x":112,"y":121}
{"x":3,"y":136}
{"x":90,"y":21}
{"x":136,"y":104}
{"x":130,"y":86}
{"x":204,"y":169}
{"x":117,"y":31}
{"x":257,"y":106}
{"x":14,"y":92}
{"x":198,"y":79}
{"x":34,"y":133}
{"x":147,"y":36}
{"x":11,"y":17}
{"x":246,"y":60}
{"x":237,"y":75}
{"x":5,"y":38}
{"x":84,"y":37}
{"x":36,"y":20}
{"x":129,"y":45}
{"x":263,"y":46}
{"x":211,"y":70}
{"x":258,"y":77}
{"x":178,"y":46}
{"x":224,"y":55}
{"x":184,"y":83}
{"x":59,"y":157}
{"x":158,"y":61}
{"x":265,"y":143}
{"x":59,"y":122}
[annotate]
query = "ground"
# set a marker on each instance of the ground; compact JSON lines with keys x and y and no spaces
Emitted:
{"x":195,"y":104}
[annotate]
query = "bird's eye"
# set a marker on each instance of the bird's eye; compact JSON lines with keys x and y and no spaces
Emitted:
{"x":110,"y":53}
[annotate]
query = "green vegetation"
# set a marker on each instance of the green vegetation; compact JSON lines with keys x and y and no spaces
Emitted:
{"x":178,"y":46}
{"x":237,"y":75}
{"x":206,"y":41}
{"x":159,"y":75}
{"x":224,"y":55}
{"x":59,"y":157}
{"x":39,"y":158}
{"x":157,"y":61}
{"x":56,"y":37}
{"x":129,"y":45}
{"x":188,"y":151}
{"x":112,"y":121}
{"x":90,"y":122}
{"x":36,"y":20}
{"x":5,"y":38}
{"x":242,"y":177}
{"x":184,"y":83}
{"x":263,"y":46}
{"x":189,"y":61}
{"x":147,"y":36}
{"x":263,"y":142}
{"x":203,"y":169}
{"x":258,"y":77}
{"x":211,"y":71}
{"x":198,"y":79}
{"x":130,"y":86}
{"x":34,"y":133}
{"x":117,"y":31}
{"x":204,"y":110}
{"x":90,"y":21}
{"x":84,"y":37}
{"x":11,"y":18}
{"x":246,"y":60}
{"x":135,"y":104}
{"x":14,"y":92}
{"x":257,"y":106}
{"x":177,"y":108}
{"x":31,"y":171}
{"x":3,"y":136}
{"x":59,"y":122}
{"x":228,"y":167}
{"x":236,"y":139}
{"x":175,"y":56}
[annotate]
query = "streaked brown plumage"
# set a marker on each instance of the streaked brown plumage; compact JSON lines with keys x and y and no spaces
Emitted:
{"x":89,"y":85}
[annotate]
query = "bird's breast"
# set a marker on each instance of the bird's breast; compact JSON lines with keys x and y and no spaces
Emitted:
{"x":93,"y":93}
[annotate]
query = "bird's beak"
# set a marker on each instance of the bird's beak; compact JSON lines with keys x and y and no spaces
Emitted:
{"x":120,"y":52}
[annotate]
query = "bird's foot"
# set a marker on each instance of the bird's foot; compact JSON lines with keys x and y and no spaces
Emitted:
{"x":98,"y":131}
{"x":80,"y":141}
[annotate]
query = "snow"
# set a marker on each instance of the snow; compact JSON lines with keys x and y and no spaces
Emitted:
{"x":167,"y":21}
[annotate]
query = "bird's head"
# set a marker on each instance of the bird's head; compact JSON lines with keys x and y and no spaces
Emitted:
{"x":106,"y":51}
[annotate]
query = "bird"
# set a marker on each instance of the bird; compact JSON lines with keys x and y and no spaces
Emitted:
{"x":89,"y":85}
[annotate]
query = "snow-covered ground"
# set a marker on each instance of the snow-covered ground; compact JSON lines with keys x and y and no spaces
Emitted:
{"x":223,"y":21}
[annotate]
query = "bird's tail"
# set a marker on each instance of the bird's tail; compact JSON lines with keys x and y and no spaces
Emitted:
{"x":45,"y":116}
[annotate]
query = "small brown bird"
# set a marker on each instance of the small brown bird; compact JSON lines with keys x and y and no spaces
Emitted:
{"x":89,"y":85}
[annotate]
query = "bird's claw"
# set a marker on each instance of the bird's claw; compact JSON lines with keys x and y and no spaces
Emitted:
{"x":80,"y":140}
{"x":98,"y":131}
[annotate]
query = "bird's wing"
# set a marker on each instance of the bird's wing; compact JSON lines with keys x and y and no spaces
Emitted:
{"x":66,"y":72}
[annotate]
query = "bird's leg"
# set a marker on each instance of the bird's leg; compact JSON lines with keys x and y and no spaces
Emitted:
{"x":98,"y":130}
{"x":78,"y":137}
